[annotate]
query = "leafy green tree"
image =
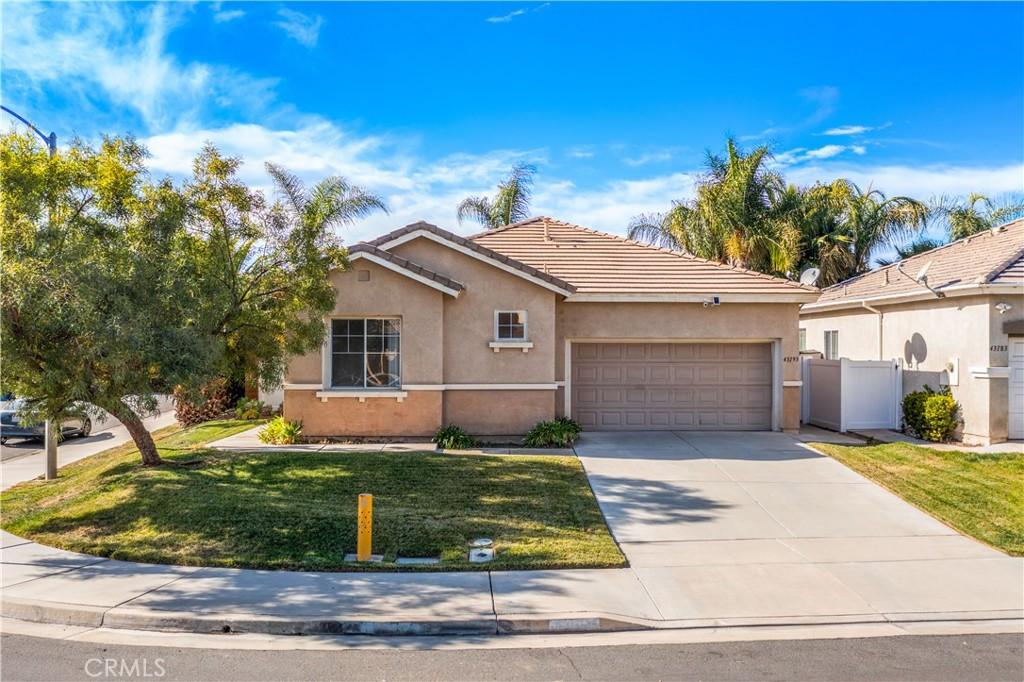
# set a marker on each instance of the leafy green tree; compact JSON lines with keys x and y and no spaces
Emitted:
{"x":97,"y":285}
{"x":510,"y":204}
{"x":745,"y":214}
{"x":841,"y":227}
{"x":264,"y":269}
{"x":742,"y":214}
{"x":975,"y":213}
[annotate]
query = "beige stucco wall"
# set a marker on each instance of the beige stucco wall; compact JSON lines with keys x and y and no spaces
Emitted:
{"x":926,"y":335}
{"x":498,"y":413}
{"x":418,"y":415}
{"x":469,"y":319}
{"x":688,"y":322}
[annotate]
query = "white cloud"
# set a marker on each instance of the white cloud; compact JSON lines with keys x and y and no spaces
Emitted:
{"x":580,"y":152}
{"x":300,"y":27}
{"x":650,"y":157}
{"x":505,"y":18}
{"x":848,"y":130}
{"x":224,"y":16}
{"x":828,"y":151}
{"x":920,"y":182}
{"x":854,"y":129}
{"x":118,"y":53}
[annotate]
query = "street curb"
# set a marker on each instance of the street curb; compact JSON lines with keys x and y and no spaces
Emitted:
{"x":174,"y":621}
{"x":128,"y":618}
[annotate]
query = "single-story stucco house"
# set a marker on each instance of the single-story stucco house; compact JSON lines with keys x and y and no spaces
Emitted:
{"x":541,"y":318}
{"x":961,"y":324}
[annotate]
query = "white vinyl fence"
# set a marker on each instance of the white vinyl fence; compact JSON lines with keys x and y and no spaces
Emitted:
{"x":846,"y":395}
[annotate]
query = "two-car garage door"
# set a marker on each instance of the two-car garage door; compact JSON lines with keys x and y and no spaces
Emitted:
{"x":672,"y":386}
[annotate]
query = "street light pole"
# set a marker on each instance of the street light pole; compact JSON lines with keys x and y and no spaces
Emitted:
{"x":49,"y":437}
{"x":50,"y":140}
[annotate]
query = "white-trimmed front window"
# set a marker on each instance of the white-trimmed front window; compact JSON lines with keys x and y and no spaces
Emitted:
{"x":832,"y":344}
{"x":803,"y":339}
{"x":366,"y":352}
{"x":510,"y":325}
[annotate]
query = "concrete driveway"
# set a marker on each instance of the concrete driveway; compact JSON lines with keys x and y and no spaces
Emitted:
{"x":753,"y":527}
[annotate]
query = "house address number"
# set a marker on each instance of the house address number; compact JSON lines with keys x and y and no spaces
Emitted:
{"x":999,"y":349}
{"x":791,"y":358}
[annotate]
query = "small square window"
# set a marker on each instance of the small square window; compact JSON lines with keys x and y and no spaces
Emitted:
{"x":510,"y":325}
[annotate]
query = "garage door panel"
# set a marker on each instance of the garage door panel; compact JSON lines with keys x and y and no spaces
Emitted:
{"x":672,"y":386}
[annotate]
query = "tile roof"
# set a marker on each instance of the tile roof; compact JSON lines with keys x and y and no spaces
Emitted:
{"x":481,"y":249}
{"x":600,"y":263}
{"x":406,"y":264}
{"x":991,"y":257}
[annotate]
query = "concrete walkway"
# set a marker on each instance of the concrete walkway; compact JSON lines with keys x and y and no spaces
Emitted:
{"x":721,"y":530}
{"x":889,"y":436}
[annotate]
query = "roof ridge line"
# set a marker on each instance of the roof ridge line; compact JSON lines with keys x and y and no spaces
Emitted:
{"x":674,"y":252}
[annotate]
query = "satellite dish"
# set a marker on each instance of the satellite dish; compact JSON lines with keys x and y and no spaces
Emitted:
{"x":922,"y":274}
{"x":810,"y":276}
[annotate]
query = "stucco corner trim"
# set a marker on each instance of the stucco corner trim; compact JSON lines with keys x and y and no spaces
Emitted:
{"x":324,"y":396}
{"x":990,"y":372}
{"x":524,"y":346}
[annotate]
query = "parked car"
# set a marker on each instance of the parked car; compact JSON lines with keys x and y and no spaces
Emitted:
{"x":10,"y":427}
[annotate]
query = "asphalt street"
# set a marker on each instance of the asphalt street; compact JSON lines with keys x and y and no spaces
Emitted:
{"x":960,"y":657}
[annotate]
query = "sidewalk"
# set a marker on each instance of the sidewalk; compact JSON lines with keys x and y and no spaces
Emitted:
{"x":43,"y":584}
{"x":888,"y":436}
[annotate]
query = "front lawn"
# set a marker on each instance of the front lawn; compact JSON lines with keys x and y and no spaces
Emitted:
{"x":297,"y":511}
{"x":978,"y":494}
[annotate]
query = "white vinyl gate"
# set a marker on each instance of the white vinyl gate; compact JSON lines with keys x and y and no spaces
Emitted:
{"x":846,"y":395}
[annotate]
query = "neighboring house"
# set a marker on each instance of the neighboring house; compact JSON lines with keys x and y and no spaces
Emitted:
{"x":542,"y":318}
{"x":961,"y":325}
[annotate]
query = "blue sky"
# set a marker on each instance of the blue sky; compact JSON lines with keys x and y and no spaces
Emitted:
{"x":615,"y":103}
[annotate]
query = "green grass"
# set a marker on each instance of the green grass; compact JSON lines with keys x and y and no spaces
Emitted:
{"x":981,"y":495}
{"x":297,"y":511}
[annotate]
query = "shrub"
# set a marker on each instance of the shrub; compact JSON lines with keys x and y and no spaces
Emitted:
{"x":931,"y":415}
{"x":246,"y":408}
{"x":211,"y":402}
{"x":453,"y":437}
{"x":558,"y":433}
{"x":280,"y":431}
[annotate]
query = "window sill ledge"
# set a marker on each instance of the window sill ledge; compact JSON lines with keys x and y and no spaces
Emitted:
{"x":524,"y":346}
{"x":362,"y":395}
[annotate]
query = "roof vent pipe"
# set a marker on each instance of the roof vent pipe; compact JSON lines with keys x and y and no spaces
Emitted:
{"x":547,"y":235}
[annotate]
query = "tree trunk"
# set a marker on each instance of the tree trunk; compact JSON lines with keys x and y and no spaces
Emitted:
{"x":142,"y":437}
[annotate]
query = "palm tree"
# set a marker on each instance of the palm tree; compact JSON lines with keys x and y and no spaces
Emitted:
{"x":511,"y":203}
{"x":915,"y":247}
{"x":742,"y":214}
{"x":872,"y":220}
{"x":332,"y":201}
{"x":976,"y":213}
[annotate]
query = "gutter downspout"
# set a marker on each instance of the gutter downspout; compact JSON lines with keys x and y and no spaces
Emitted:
{"x":878,"y":312}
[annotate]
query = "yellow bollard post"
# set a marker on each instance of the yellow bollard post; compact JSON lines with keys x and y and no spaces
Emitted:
{"x":364,"y":540}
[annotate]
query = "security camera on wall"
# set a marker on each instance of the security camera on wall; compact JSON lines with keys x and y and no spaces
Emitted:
{"x":713,"y":301}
